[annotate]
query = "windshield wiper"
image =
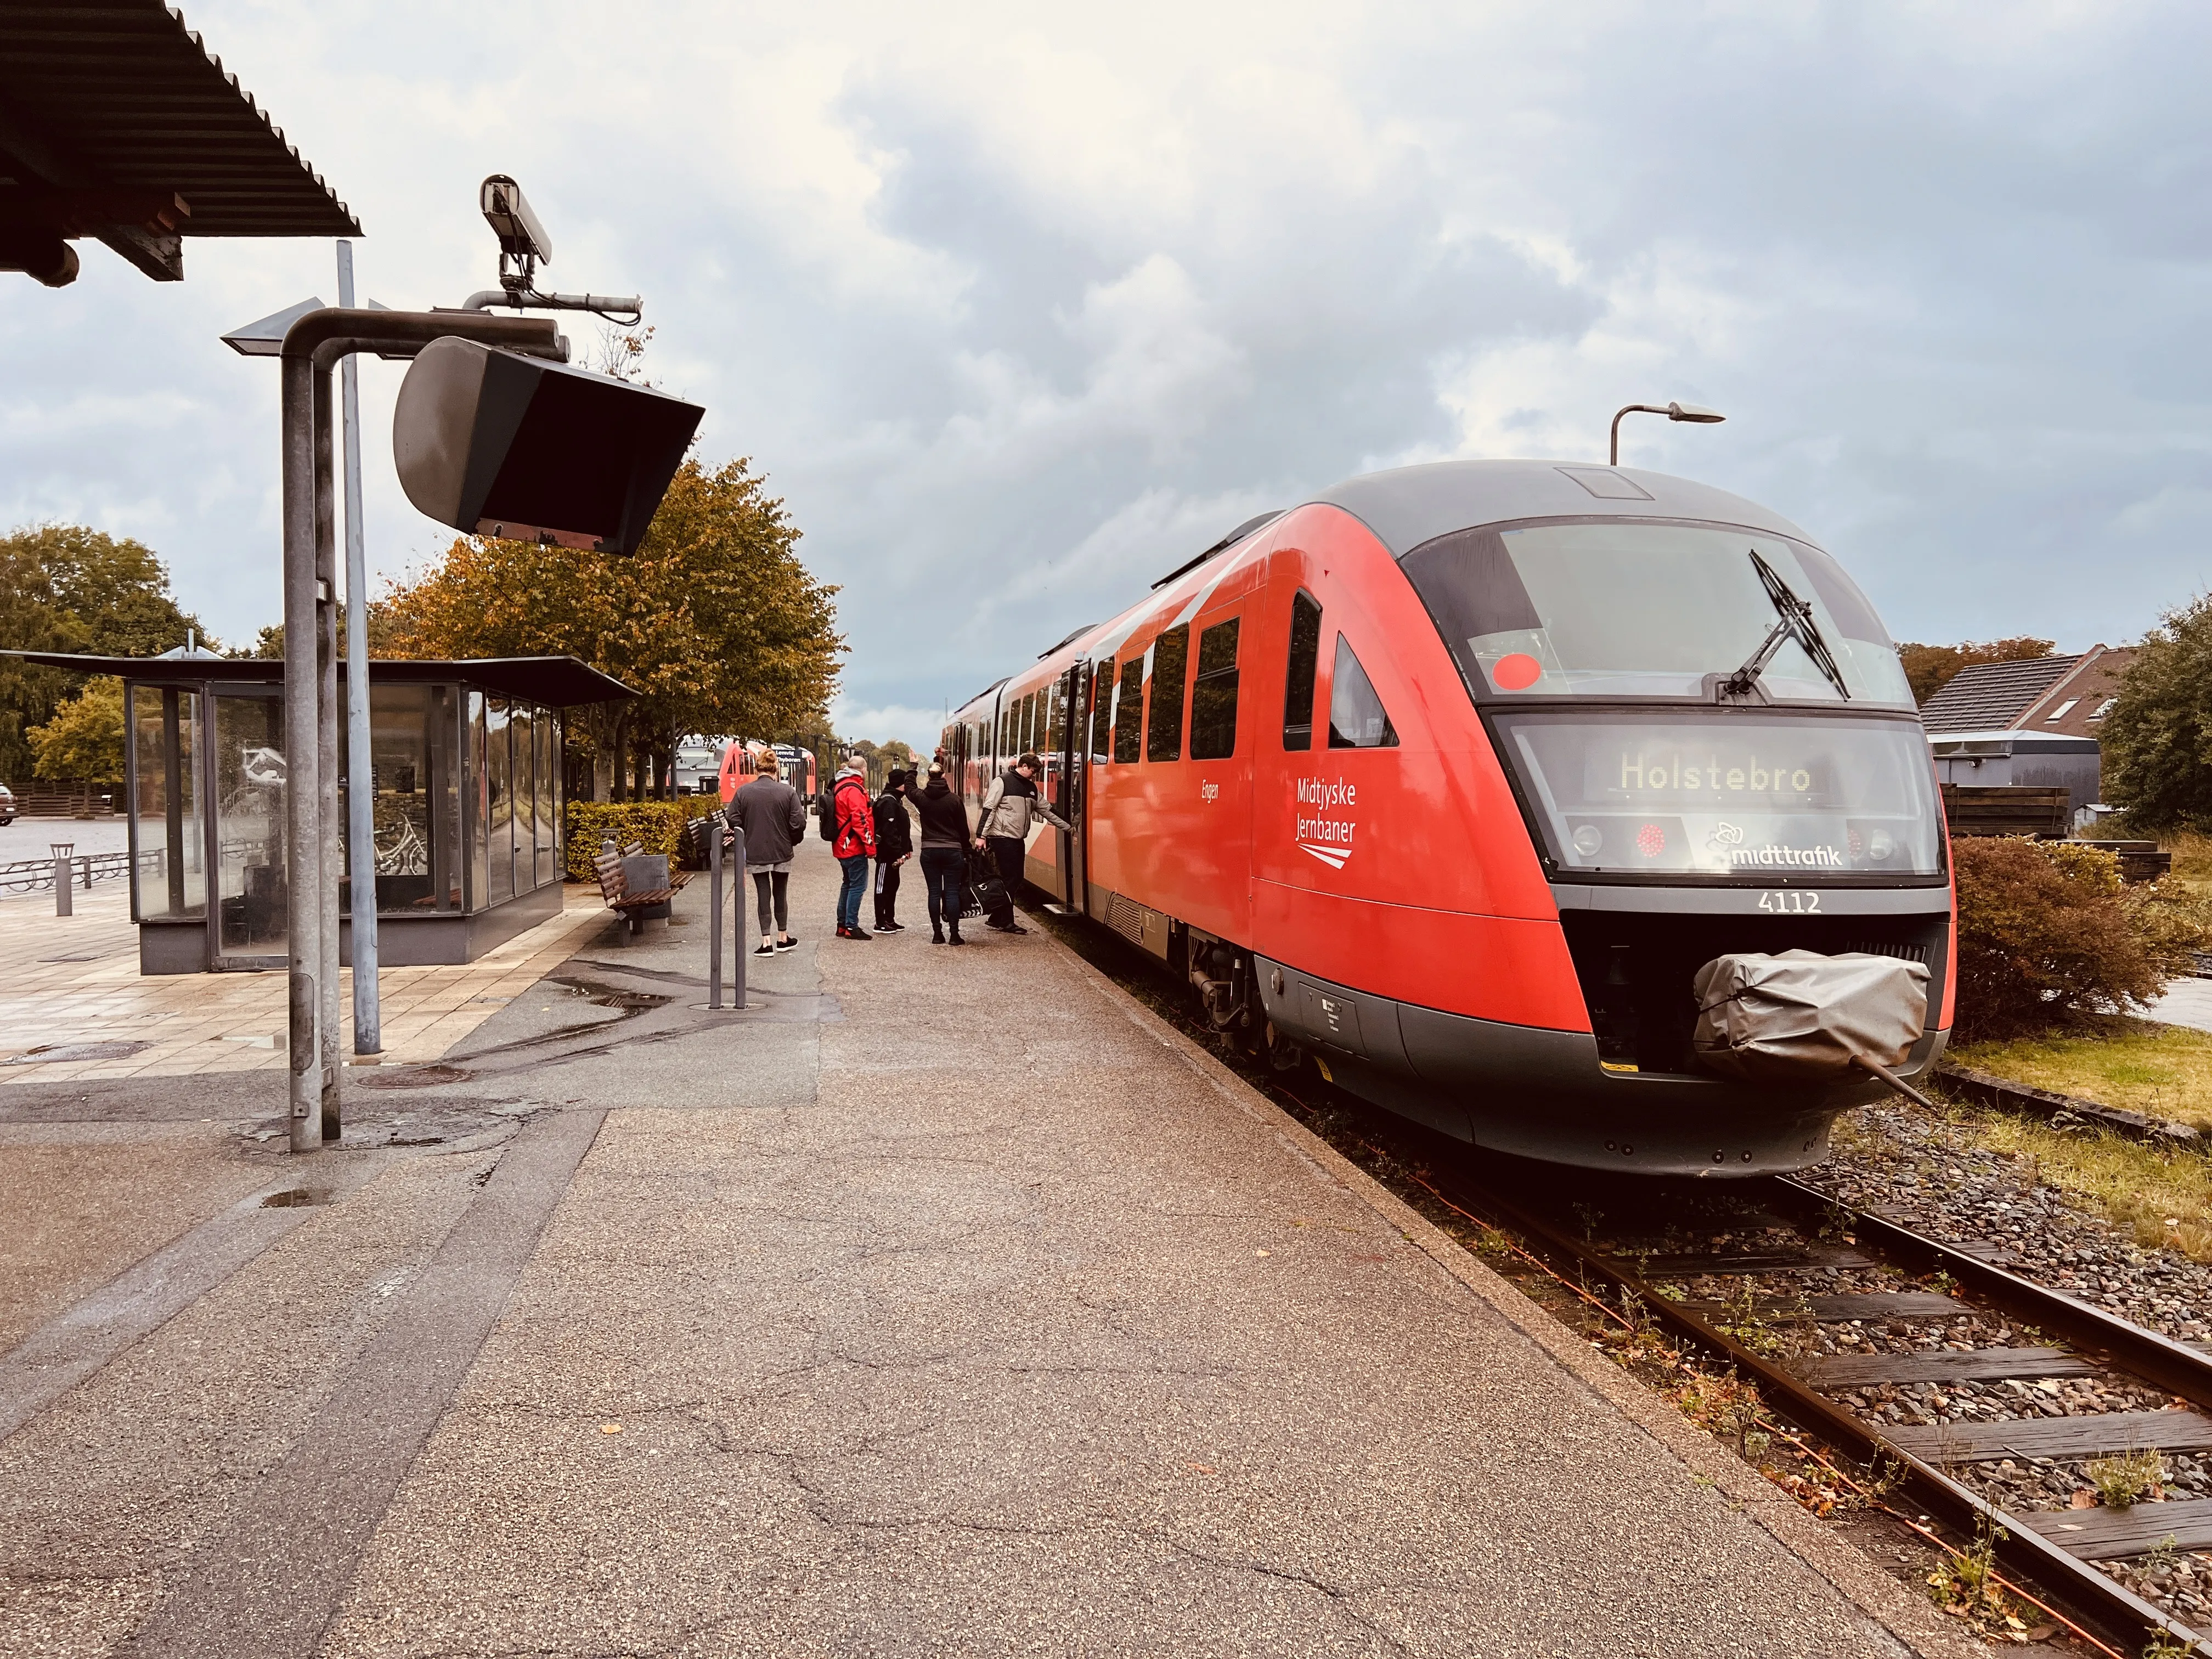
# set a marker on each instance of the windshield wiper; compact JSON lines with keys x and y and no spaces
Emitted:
{"x":1794,"y":622}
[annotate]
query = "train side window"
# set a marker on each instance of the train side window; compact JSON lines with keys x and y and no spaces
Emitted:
{"x":1056,"y":727}
{"x":1129,"y":713}
{"x":1101,"y":713}
{"x":1170,"y":665}
{"x":1213,"y":698}
{"x":1298,"y":681}
{"x":1356,"y":716}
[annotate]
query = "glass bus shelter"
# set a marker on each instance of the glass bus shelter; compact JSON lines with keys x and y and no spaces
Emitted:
{"x":469,"y":845}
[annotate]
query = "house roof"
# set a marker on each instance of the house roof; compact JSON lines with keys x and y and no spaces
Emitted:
{"x":557,"y":682}
{"x":116,"y":123}
{"x":1989,"y":695}
{"x":2077,"y":704}
{"x":2065,"y":696}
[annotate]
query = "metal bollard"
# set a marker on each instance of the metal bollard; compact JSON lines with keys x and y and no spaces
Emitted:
{"x":714,"y":914}
{"x":63,"y":876}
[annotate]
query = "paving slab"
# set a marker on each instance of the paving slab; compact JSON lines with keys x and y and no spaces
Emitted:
{"x":943,"y":1304}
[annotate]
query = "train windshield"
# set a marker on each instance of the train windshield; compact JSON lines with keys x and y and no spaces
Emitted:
{"x":1625,"y":608}
{"x":1772,"y":796}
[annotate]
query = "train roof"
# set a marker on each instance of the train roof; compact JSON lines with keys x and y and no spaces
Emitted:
{"x":1410,"y":505}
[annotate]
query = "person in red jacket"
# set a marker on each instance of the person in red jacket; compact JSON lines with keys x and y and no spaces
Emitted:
{"x":854,"y":844}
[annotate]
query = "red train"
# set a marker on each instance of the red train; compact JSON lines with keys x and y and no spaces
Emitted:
{"x":1452,"y":777}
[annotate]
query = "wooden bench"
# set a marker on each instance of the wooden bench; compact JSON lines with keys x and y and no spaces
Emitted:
{"x":615,"y":888}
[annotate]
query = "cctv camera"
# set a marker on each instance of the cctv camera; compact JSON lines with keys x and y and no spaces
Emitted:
{"x":520,"y":236}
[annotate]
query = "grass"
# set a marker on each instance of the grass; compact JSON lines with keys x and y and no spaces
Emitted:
{"x":2192,"y":861}
{"x":2162,"y":1070}
{"x":2161,"y":1197}
{"x":2128,"y":1478}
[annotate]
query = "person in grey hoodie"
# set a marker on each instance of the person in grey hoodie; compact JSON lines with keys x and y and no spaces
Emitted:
{"x":768,"y":814}
{"x":1010,"y":806}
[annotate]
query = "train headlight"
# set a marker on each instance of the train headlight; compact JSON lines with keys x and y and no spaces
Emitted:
{"x":1587,"y":840}
{"x":1880,"y":846}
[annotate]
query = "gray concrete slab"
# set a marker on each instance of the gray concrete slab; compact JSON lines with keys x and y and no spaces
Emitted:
{"x":949,"y":1305}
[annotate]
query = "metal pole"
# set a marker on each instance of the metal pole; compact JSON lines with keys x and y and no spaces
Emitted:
{"x":738,"y":932}
{"x":303,"y":856}
{"x":715,"y":914}
{"x":65,"y":901}
{"x":312,"y":346}
{"x":360,"y":769}
{"x":326,"y":739}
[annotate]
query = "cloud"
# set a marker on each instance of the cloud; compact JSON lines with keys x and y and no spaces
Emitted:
{"x":1018,"y":307}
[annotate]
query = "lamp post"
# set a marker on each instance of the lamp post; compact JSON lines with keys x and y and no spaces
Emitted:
{"x":361,"y":761}
{"x":310,"y":341}
{"x":1673,"y":411}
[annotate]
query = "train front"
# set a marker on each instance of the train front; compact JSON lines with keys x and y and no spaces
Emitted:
{"x":1719,"y":764}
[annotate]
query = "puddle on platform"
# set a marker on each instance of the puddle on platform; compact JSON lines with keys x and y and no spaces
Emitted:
{"x":416,"y":1077}
{"x":57,"y":1053}
{"x":294,"y":1198}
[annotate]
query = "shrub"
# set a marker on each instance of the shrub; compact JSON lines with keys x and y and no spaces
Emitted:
{"x":2048,"y":933}
{"x":657,"y":825}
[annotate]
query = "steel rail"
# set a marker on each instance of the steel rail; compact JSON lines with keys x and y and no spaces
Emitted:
{"x":2174,"y":1366}
{"x":2088,"y":1594}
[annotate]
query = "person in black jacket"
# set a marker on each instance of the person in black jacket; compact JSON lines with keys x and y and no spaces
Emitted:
{"x":894,"y":846}
{"x":944,"y":852}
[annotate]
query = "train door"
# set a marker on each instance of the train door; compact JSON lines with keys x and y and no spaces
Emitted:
{"x":1073,"y":735}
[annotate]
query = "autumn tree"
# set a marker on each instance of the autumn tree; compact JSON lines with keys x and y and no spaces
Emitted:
{"x":1928,"y":668}
{"x":714,"y":620}
{"x":64,"y":587}
{"x":84,"y":738}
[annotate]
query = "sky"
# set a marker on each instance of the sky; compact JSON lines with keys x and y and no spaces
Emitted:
{"x":1019,"y":306}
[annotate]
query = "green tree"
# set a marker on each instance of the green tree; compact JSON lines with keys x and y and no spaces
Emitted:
{"x":64,"y":587}
{"x":385,"y":635}
{"x":1928,"y":668}
{"x":83,"y":741}
{"x":714,"y":620}
{"x":883,"y":758}
{"x":2157,"y":740}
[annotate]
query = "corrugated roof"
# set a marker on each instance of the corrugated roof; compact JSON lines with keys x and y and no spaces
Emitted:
{"x":1986,"y":695}
{"x":116,"y":99}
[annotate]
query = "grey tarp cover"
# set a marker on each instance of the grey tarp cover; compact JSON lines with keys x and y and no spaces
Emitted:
{"x":1801,"y":1016}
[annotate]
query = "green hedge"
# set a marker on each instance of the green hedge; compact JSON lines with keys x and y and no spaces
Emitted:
{"x":655,"y":824}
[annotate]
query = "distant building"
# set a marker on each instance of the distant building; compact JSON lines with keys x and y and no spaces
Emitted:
{"x":2033,"y":722}
{"x":2069,"y":695}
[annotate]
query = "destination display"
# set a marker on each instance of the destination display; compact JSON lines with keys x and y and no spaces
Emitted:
{"x":1729,"y":795}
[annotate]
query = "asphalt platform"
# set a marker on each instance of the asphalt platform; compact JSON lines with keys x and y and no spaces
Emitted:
{"x":943,"y":1302}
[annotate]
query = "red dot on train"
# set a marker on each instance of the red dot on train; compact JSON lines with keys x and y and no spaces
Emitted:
{"x":1517,"y":672}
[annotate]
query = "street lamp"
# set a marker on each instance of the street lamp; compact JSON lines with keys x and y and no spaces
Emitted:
{"x":588,"y":458}
{"x":1672,"y":412}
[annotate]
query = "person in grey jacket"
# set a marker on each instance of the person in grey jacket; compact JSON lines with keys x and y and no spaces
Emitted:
{"x":1010,"y":806}
{"x":768,"y":814}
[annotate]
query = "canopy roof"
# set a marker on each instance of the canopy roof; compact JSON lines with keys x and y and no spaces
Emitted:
{"x":116,"y":123}
{"x":557,"y":682}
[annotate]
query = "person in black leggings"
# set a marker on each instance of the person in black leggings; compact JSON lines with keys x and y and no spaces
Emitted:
{"x":943,"y":852}
{"x":768,"y":815}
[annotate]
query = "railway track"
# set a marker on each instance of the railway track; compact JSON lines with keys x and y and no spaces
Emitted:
{"x":1798,"y":1261}
{"x":1846,"y":1320}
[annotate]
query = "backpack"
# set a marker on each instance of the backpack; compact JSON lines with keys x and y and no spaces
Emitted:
{"x":825,"y":812}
